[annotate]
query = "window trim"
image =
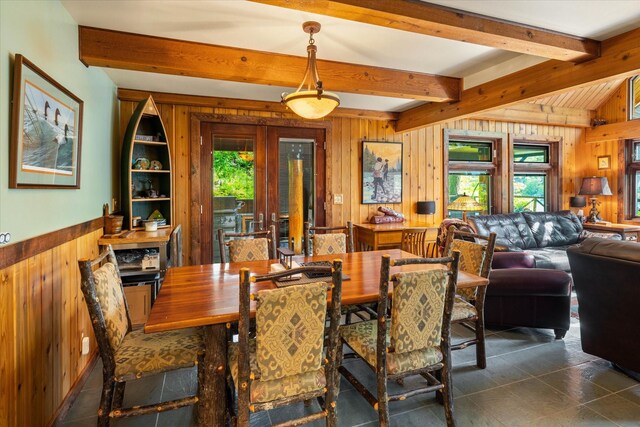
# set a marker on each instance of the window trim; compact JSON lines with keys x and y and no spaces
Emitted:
{"x":628,"y":170}
{"x":553,"y":169}
{"x":495,"y":167}
{"x":630,"y":97}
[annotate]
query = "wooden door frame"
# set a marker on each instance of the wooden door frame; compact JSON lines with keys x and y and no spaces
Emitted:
{"x":196,"y":170}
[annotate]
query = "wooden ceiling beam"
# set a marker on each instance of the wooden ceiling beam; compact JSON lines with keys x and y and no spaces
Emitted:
{"x":439,"y":21}
{"x":613,"y":131}
{"x":620,"y":58}
{"x":135,"y":95}
{"x":540,"y":115}
{"x":128,"y":51}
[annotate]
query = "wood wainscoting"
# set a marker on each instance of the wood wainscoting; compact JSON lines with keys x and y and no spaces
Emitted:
{"x":43,"y":317}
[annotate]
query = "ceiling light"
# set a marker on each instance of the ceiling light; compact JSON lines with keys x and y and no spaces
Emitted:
{"x":314,"y":102}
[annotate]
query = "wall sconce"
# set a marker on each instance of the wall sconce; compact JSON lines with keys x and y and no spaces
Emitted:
{"x":426,"y":207}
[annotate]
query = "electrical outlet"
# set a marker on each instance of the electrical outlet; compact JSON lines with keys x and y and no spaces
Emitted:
{"x":5,"y":238}
{"x":85,"y":346}
{"x":337,"y":199}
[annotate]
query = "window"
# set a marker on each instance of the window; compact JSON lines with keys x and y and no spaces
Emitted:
{"x":535,"y":175}
{"x":634,"y":98}
{"x":632,"y":155}
{"x":472,"y":168}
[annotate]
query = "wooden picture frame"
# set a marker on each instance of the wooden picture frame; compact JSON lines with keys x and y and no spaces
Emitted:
{"x":381,"y":172}
{"x":604,"y":162}
{"x":46,"y":131}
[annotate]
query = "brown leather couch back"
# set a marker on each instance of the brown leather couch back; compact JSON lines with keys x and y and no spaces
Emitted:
{"x":606,"y":276}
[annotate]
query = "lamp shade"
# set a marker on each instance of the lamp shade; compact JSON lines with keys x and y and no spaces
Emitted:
{"x":310,"y":105}
{"x":577,"y":202}
{"x":465,"y":203}
{"x":595,"y":186}
{"x":427,"y":208}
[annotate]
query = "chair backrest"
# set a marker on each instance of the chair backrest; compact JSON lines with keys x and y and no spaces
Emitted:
{"x":328,"y":240}
{"x":175,"y":245}
{"x":290,"y":325}
{"x":422,"y":304}
{"x":475,"y":256}
{"x":256,"y":246}
{"x":106,"y":304}
{"x":413,"y":241}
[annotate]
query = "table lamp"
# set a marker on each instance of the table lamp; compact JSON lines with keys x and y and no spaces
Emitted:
{"x":594,"y":186}
{"x":578,"y":202}
{"x":465,"y":204}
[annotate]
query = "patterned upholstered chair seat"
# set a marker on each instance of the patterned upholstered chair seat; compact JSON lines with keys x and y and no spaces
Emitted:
{"x":248,"y":250}
{"x":362,"y":338}
{"x":463,"y":310}
{"x":143,"y":354}
{"x":327,"y":244}
{"x":265,"y":391}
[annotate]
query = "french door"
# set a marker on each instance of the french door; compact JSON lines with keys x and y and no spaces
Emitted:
{"x":245,"y":173}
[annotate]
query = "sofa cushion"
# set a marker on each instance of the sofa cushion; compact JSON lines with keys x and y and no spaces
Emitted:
{"x":527,"y":282}
{"x":511,"y":229}
{"x":553,"y":228}
{"x":551,"y":257}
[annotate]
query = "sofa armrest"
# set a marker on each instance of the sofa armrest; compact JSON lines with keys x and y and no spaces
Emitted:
{"x":503,"y":260}
{"x":585,"y":234}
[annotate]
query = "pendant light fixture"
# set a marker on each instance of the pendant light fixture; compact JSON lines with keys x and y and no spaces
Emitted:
{"x":314,"y":102}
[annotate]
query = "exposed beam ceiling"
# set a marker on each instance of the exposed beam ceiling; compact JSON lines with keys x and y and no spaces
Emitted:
{"x":115,"y":49}
{"x":438,"y":21}
{"x":620,"y":58}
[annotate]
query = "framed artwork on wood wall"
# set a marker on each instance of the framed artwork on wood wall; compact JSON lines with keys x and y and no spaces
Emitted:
{"x":604,"y":162}
{"x":381,"y":172}
{"x":46,"y":131}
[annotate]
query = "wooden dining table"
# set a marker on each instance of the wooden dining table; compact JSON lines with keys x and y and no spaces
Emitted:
{"x":207,"y":296}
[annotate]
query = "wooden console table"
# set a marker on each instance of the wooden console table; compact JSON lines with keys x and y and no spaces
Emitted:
{"x":140,"y":298}
{"x":627,"y":231}
{"x":372,"y":237}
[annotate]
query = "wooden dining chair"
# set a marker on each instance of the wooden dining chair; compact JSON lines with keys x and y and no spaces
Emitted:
{"x":289,"y":359}
{"x":328,"y":240}
{"x":413,"y":240}
{"x":255,"y":246}
{"x":126,"y":354}
{"x":414,"y":341}
{"x":468,"y":308}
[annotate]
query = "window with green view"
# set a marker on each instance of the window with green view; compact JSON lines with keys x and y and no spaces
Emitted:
{"x":474,"y":184}
{"x":530,"y":153}
{"x":529,"y":192}
{"x":470,"y":151}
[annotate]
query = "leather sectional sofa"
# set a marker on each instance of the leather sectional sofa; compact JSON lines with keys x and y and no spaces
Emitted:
{"x":545,"y":235}
{"x":607,"y":279}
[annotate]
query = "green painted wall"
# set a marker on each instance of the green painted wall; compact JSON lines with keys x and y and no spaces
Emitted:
{"x":45,"y":33}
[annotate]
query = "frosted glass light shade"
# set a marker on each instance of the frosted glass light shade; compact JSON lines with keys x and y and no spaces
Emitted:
{"x":305,"y":103}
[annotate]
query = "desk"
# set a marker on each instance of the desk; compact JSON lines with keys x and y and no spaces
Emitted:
{"x":382,"y":236}
{"x":207,"y":295}
{"x":627,"y":231}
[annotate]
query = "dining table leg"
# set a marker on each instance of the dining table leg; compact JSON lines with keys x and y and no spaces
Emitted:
{"x":212,"y":409}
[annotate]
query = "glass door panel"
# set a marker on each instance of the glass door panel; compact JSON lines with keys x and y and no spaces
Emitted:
{"x":233,"y":184}
{"x":295,"y":197}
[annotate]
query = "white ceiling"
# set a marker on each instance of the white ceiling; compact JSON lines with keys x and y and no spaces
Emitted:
{"x":267,"y":28}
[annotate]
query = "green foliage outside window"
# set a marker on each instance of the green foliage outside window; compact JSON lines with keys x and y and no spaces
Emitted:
{"x":232,"y":176}
{"x":529,"y":193}
{"x":474,"y":185}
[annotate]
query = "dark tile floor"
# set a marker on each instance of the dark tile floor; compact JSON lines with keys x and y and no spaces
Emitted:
{"x":531,"y":380}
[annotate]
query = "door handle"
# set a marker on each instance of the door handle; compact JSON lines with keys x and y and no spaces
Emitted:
{"x":273,"y":217}
{"x":260,"y":221}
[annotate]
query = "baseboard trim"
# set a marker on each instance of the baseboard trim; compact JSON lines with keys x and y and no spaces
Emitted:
{"x":74,"y":391}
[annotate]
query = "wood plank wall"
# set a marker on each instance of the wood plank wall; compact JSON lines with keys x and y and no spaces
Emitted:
{"x":43,"y":317}
{"x":423,"y":164}
{"x":614,"y":110}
